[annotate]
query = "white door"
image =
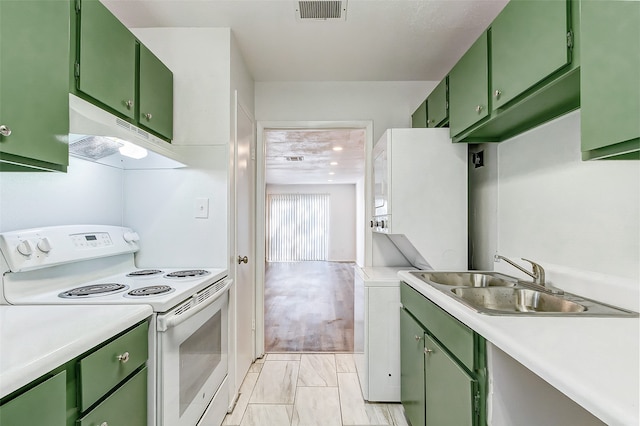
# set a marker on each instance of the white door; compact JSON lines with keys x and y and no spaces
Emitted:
{"x":244,"y":237}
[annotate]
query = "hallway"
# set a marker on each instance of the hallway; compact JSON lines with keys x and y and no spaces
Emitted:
{"x":308,"y":307}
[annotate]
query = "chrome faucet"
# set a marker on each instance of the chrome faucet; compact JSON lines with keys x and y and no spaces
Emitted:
{"x":537,"y":273}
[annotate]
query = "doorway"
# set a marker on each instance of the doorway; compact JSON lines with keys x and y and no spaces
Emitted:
{"x":306,"y":304}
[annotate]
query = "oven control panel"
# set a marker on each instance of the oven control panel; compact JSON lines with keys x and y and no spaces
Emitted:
{"x":37,"y":248}
{"x":88,"y":241}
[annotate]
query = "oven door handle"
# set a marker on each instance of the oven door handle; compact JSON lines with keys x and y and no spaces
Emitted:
{"x":171,"y":320}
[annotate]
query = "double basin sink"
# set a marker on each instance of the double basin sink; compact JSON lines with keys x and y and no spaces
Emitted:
{"x":493,"y":293}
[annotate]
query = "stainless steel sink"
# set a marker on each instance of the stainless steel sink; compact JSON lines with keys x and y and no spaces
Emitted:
{"x":505,"y":299}
{"x":492,"y":293}
{"x":468,"y":279}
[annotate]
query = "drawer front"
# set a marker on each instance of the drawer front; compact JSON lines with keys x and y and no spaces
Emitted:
{"x":457,"y":337}
{"x":126,"y":406}
{"x":44,"y":404}
{"x":102,"y":370}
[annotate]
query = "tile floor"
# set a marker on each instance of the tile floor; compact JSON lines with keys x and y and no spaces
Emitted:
{"x":307,"y":390}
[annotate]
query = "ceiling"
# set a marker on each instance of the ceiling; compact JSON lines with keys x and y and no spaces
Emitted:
{"x":380,"y":40}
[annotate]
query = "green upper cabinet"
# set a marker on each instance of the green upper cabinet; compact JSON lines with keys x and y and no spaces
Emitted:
{"x":156,"y":94}
{"x":437,"y":106}
{"x":419,"y":117}
{"x":468,"y":91}
{"x":106,"y":67}
{"x":528,"y":43}
{"x":34,"y":84}
{"x":610,"y":79}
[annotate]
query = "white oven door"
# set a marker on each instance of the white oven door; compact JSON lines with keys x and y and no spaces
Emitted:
{"x":192,"y":357}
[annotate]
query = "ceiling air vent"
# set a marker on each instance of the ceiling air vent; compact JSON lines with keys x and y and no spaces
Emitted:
{"x":298,"y":158}
{"x":321,"y":10}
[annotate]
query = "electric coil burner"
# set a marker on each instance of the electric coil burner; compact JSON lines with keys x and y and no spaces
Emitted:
{"x":93,"y":290}
{"x":153,"y":290}
{"x":187,"y":273}
{"x":144,"y":273}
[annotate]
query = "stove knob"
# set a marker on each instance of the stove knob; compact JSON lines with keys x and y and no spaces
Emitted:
{"x":25,"y":249}
{"x":131,"y":237}
{"x":44,"y":245}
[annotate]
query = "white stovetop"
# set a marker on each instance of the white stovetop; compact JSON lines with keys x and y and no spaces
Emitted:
{"x":594,"y":361}
{"x":36,"y":339}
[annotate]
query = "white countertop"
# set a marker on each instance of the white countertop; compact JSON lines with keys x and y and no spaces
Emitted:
{"x":594,"y":361}
{"x":36,"y":339}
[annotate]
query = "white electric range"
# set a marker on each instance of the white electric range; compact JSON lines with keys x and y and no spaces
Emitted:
{"x":95,"y":265}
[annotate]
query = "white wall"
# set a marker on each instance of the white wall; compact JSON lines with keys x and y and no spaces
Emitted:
{"x":388,"y":104}
{"x":343,"y":205}
{"x":89,"y":193}
{"x":535,"y":198}
{"x":160,"y":206}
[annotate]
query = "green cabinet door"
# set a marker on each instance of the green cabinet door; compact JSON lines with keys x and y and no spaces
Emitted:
{"x":156,"y":94}
{"x":610,"y":77}
{"x":449,"y":390}
{"x":126,"y":406}
{"x":438,"y":110}
{"x":412,"y":391}
{"x":419,"y":117}
{"x":528,"y":43}
{"x":107,"y":58}
{"x":34,"y":83}
{"x":44,"y":404}
{"x":468,"y":88}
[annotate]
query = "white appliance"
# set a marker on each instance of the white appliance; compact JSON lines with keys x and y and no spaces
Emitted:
{"x":96,"y":135}
{"x":376,"y":332}
{"x":420,"y":191}
{"x":94,"y":264}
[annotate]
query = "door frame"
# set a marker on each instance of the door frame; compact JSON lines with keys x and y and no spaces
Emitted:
{"x":261,"y":197}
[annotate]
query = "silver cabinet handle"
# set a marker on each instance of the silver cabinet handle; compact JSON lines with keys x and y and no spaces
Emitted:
{"x":148,"y":116}
{"x":418,"y":338}
{"x":428,"y":351}
{"x":124,"y":357}
{"x":497,"y":94}
{"x":4,"y":130}
{"x":244,"y":259}
{"x":479,"y":109}
{"x":128,"y":103}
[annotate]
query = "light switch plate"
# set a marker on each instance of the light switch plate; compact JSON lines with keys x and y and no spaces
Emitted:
{"x":202,"y":208}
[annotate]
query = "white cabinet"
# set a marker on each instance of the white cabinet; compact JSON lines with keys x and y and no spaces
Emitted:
{"x":420,"y":191}
{"x":377,"y":332}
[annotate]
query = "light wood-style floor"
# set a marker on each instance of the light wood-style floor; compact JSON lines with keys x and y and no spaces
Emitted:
{"x":308,"y":390}
{"x":308,"y":307}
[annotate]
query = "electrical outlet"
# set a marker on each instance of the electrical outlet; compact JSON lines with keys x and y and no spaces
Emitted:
{"x":202,"y":208}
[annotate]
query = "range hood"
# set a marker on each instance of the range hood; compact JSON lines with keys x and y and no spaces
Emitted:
{"x":96,"y":135}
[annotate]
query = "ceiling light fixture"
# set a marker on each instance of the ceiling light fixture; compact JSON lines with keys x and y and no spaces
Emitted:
{"x":337,"y":148}
{"x":333,"y":163}
{"x":331,"y":173}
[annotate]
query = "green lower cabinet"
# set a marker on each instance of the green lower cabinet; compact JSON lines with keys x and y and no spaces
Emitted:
{"x":126,"y":406}
{"x":412,"y":378}
{"x":442,"y":365}
{"x":45,"y":404}
{"x":34,"y":85}
{"x":449,"y":390}
{"x":610,"y":79}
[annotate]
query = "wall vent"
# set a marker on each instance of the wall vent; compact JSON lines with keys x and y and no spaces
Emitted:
{"x":321,"y":10}
{"x":295,"y":158}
